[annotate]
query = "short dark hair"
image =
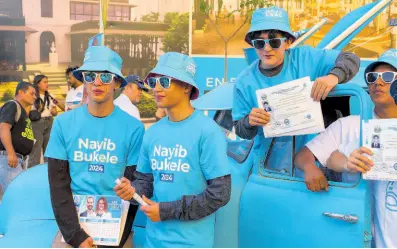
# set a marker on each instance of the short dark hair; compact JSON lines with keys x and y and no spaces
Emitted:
{"x":375,"y":136}
{"x":70,"y":69}
{"x":273,"y":33}
{"x":23,"y":86}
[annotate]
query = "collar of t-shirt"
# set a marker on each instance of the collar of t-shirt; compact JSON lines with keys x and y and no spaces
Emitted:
{"x":271,"y":71}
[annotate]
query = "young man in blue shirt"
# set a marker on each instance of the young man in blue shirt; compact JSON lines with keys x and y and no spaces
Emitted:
{"x":183,"y":162}
{"x":271,"y":36}
{"x":92,"y":145}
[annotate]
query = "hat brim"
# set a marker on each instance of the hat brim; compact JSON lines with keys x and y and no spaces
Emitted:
{"x":99,"y":66}
{"x":143,"y":88}
{"x":171,"y":72}
{"x":262,"y":26}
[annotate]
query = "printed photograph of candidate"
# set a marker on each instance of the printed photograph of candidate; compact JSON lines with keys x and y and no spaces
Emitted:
{"x":102,"y":209}
{"x":267,"y":107}
{"x":375,"y":142}
{"x":89,"y":208}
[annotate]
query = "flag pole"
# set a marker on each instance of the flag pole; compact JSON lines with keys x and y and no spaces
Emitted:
{"x":101,"y":24}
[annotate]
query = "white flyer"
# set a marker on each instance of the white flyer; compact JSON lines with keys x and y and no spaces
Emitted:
{"x":380,"y":135}
{"x":292,"y":110}
{"x":102,"y":217}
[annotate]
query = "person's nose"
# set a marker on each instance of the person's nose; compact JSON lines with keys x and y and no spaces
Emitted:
{"x":267,"y":47}
{"x":97,"y":81}
{"x":158,"y":88}
{"x":379,"y":81}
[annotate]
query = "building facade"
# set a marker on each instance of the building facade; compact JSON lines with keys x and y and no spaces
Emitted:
{"x":12,"y":34}
{"x":53,"y":20}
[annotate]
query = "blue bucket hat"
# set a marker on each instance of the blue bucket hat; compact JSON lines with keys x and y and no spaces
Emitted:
{"x":177,"y":66}
{"x":388,"y":57}
{"x":269,"y":18}
{"x":132,"y":78}
{"x":101,"y":58}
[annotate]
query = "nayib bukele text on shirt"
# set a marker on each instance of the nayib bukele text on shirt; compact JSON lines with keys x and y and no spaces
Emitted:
{"x":95,"y":151}
{"x":167,"y":161}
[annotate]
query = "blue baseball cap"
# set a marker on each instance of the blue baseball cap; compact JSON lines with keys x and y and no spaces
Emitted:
{"x":177,"y":66}
{"x":132,"y":78}
{"x":269,"y":18}
{"x":101,"y":58}
{"x":389,"y":57}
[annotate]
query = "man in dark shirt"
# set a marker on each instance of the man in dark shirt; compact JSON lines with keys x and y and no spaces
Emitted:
{"x":16,"y":136}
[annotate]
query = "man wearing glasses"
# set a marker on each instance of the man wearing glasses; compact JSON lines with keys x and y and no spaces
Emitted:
{"x":183,"y":162}
{"x":271,"y":36}
{"x":336,"y":149}
{"x":92,"y":145}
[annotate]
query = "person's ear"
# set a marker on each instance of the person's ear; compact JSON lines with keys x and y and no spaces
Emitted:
{"x":117,"y":82}
{"x":188,"y":89}
{"x":288,"y":43}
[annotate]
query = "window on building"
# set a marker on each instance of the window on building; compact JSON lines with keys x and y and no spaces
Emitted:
{"x":46,"y":8}
{"x":90,"y":11}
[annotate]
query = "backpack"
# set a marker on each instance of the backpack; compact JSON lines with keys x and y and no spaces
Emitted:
{"x":19,"y":111}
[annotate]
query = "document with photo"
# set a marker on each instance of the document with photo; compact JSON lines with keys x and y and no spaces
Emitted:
{"x":380,"y":135}
{"x":102,"y":217}
{"x":292,"y":110}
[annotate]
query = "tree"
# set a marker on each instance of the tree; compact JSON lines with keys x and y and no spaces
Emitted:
{"x":7,"y":95}
{"x":147,"y":107}
{"x":151,"y":17}
{"x":177,"y":37}
{"x":246,"y":7}
{"x":169,"y":16}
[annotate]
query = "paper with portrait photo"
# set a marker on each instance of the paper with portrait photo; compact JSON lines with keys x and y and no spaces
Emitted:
{"x":380,"y":136}
{"x":292,"y":109}
{"x":102,"y":217}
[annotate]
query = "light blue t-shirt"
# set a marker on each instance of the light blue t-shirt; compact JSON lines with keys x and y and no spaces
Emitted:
{"x":98,"y":149}
{"x":182,"y":156}
{"x":298,"y":63}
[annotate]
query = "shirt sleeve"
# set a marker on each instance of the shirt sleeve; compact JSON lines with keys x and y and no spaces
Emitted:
{"x":135,"y":146}
{"x":326,"y":142}
{"x":143,"y":184}
{"x":195,"y":207}
{"x":213,"y":154}
{"x":244,"y":129}
{"x":346,"y":66}
{"x":241,"y":107}
{"x":56,"y":147}
{"x":62,"y":202}
{"x":7,"y":113}
{"x":321,"y":60}
{"x":144,"y":161}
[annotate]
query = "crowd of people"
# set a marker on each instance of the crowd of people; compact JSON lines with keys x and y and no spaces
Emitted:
{"x":181,"y":160}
